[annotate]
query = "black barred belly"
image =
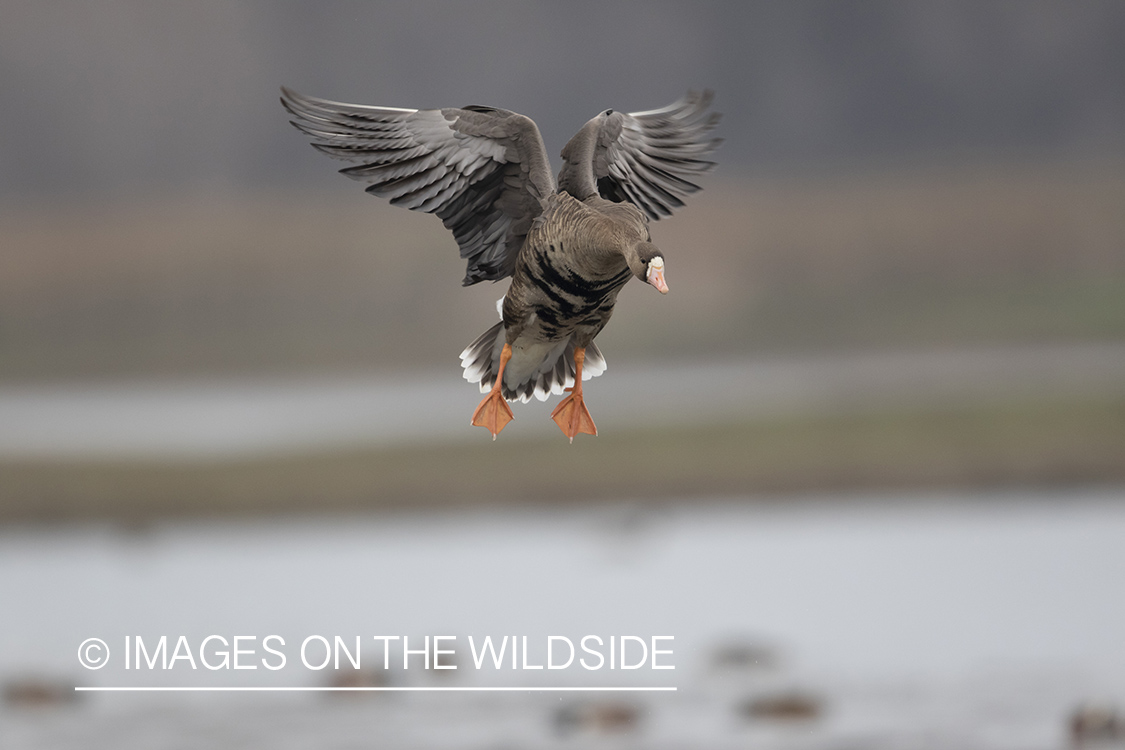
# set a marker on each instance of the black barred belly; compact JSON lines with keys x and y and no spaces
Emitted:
{"x":571,"y":300}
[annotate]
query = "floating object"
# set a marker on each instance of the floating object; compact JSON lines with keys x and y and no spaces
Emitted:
{"x":1093,"y":725}
{"x":598,"y":718}
{"x":38,"y":692}
{"x":787,"y":706}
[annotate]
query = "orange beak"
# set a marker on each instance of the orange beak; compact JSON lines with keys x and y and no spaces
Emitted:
{"x":655,"y":277}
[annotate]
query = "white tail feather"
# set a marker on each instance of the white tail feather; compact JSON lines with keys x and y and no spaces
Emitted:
{"x":538,"y":371}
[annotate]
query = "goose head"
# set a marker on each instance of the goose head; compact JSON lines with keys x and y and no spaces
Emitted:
{"x":647,"y":264}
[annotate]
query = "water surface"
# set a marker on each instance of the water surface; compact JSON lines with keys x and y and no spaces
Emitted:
{"x":959,"y":621}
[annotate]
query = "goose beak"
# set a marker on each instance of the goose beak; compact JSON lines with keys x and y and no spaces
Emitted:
{"x":655,"y":275}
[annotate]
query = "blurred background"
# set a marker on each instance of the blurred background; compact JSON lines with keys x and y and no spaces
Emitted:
{"x":866,"y":461}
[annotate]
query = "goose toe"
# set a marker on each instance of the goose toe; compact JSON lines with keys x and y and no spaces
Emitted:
{"x":572,"y":416}
{"x":493,"y":413}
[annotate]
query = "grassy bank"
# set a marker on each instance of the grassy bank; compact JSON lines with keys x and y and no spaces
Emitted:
{"x":211,"y":283}
{"x":1058,"y":442}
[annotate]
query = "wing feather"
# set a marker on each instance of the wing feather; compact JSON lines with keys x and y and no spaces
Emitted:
{"x":482,"y":171}
{"x":647,"y":158}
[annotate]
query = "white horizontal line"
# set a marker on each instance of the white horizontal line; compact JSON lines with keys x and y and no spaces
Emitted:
{"x":137,"y":689}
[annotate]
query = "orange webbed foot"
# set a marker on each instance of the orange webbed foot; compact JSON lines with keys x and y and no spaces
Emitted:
{"x":493,"y":413}
{"x":572,"y":416}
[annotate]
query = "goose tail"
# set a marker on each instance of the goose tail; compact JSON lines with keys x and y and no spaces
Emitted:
{"x":481,"y":359}
{"x":536,"y":369}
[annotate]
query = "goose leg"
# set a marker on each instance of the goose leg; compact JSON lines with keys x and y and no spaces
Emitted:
{"x":494,"y":412}
{"x":571,"y":415}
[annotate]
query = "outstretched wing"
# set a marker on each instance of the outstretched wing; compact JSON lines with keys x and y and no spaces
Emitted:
{"x":646,"y":158}
{"x":483,"y":171}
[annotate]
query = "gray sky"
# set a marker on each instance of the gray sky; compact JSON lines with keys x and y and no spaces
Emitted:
{"x":110,"y":96}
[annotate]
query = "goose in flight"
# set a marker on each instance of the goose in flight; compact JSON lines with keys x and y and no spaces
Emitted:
{"x":569,"y":247}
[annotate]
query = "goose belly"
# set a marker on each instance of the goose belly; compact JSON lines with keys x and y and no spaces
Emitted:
{"x":560,"y":302}
{"x":529,"y":355}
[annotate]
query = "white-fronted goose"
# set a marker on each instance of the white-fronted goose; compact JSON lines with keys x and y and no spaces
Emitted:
{"x":568,"y":248}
